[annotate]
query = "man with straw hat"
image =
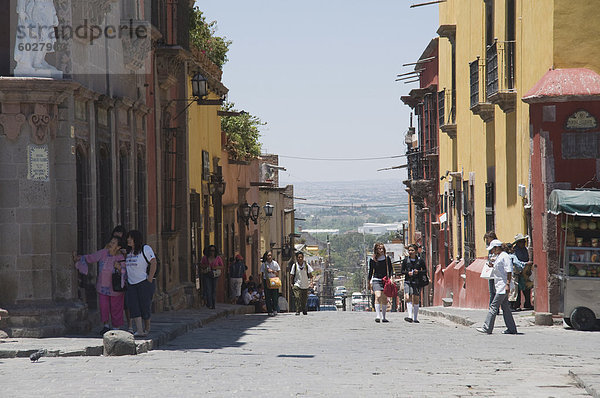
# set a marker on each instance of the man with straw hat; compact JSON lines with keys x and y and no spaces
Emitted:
{"x":524,"y":278}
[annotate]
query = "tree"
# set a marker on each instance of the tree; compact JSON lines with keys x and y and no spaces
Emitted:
{"x":202,"y":36}
{"x":242,"y":134}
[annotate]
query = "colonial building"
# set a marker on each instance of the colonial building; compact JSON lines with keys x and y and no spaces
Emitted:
{"x":491,"y":54}
{"x":422,"y":160}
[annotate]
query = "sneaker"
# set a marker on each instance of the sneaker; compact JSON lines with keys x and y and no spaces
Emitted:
{"x":416,"y":321}
{"x":384,"y":320}
{"x":304,"y":313}
{"x":104,"y":330}
{"x":409,"y":320}
{"x":377,"y":320}
{"x":482,"y":330}
{"x":140,"y":334}
{"x":130,"y":330}
{"x":509,"y":332}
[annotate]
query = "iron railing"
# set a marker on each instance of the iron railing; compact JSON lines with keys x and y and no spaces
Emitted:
{"x":500,"y":67}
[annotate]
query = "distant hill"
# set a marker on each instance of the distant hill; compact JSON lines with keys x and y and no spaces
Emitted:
{"x":348,"y":204}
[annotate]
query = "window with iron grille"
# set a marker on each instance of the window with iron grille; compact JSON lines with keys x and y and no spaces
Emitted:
{"x":474,"y":75}
{"x":172,"y":178}
{"x":491,"y":63}
{"x":141,"y":191}
{"x":458,"y":200}
{"x":509,"y":48}
{"x":469,"y":215}
{"x":441,"y":109}
{"x":205,"y":165}
{"x":489,"y":207}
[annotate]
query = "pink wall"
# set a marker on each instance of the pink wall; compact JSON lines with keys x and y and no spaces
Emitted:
{"x":450,"y":283}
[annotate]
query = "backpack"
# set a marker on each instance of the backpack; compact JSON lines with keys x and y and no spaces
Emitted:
{"x":312,"y":303}
{"x":157,"y":262}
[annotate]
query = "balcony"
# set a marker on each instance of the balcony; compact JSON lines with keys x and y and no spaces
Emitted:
{"x":485,"y":110}
{"x":500,"y":75}
{"x":447,"y":121}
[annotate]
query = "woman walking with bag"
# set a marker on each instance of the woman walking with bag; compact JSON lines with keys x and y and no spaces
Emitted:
{"x":413,"y":269}
{"x":211,"y":267}
{"x":270,"y":269}
{"x":380,"y":266}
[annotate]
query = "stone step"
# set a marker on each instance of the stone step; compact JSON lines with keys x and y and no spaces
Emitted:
{"x":36,"y":332}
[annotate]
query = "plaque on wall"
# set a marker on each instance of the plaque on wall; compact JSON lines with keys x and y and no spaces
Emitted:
{"x":37,"y":163}
{"x":581,"y":120}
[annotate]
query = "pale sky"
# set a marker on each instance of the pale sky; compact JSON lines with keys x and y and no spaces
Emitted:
{"x":321,"y":74}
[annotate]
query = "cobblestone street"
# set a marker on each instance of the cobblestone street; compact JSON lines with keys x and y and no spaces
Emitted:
{"x":327,"y":354}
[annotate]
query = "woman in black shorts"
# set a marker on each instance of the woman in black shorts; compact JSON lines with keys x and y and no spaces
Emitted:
{"x":412,"y":267}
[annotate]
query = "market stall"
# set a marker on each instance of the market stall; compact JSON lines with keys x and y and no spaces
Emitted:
{"x":579,"y":212}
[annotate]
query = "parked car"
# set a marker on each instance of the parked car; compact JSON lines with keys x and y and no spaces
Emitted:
{"x":328,"y":307}
{"x":360,"y":302}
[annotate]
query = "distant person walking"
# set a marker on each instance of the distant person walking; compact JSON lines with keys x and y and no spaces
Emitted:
{"x":503,"y":279}
{"x":300,"y":276}
{"x":270,"y":269}
{"x":211,"y":267}
{"x":237,"y":269}
{"x":380,"y":266}
{"x":525,"y":284}
{"x":412,"y":267}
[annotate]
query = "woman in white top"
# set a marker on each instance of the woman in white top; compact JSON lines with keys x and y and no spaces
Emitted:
{"x":141,"y":267}
{"x":270,"y":269}
{"x":502,"y":274}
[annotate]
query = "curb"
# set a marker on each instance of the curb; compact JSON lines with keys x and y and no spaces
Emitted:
{"x":465,"y":321}
{"x":583,"y":384}
{"x":159,"y":338}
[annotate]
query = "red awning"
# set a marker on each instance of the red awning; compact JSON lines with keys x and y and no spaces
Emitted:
{"x":561,"y":85}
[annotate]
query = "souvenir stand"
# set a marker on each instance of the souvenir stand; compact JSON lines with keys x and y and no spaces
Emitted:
{"x":579,"y":252}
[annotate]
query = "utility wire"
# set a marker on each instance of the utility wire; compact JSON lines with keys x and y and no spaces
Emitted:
{"x":341,"y":159}
{"x":354,"y":206}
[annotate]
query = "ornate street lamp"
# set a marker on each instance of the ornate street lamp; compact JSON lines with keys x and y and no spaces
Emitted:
{"x":254,"y":212}
{"x":216,"y":186}
{"x":199,"y":86}
{"x":268,"y":209}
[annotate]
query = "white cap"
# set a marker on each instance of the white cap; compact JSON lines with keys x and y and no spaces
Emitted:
{"x":494,"y":243}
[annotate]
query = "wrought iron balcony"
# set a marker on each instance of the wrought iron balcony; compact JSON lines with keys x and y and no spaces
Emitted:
{"x":447,"y":120}
{"x":500,"y":75}
{"x":484,"y":109}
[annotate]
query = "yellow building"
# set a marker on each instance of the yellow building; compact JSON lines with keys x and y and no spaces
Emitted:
{"x":206,"y":186}
{"x":491,"y":52}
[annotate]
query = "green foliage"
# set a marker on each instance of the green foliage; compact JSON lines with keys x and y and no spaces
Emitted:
{"x":242,"y":134}
{"x":202,"y":36}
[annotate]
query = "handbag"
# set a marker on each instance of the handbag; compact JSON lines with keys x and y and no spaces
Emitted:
{"x":116,"y":282}
{"x":423,"y":279}
{"x":389,"y":288}
{"x":215,"y":273}
{"x":274,"y":282}
{"x":486,"y":272}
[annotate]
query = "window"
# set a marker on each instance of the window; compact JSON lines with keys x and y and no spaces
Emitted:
{"x":124,"y":190}
{"x":141,"y":191}
{"x":205,"y":165}
{"x":489,"y":207}
{"x":509,"y":47}
{"x":83,"y":201}
{"x":469,"y":230}
{"x":170,"y":173}
{"x":105,"y":205}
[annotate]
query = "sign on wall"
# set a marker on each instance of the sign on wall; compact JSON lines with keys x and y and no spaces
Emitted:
{"x":37,"y":163}
{"x":581,"y":120}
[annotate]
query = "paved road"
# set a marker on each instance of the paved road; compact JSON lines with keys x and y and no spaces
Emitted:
{"x":325,"y":354}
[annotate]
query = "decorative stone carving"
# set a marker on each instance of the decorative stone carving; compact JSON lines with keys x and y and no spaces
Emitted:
{"x":12,"y":119}
{"x":43,"y":125}
{"x":169,"y":63}
{"x":136,"y":44}
{"x":35,"y":38}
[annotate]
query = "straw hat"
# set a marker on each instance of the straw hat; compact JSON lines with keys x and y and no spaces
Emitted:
{"x":519,"y":237}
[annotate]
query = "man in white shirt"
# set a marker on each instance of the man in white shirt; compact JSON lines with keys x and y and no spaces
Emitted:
{"x":300,"y":276}
{"x":502,"y":274}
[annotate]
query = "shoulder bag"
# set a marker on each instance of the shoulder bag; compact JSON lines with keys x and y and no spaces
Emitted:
{"x":423,"y":278}
{"x":389,"y":288}
{"x":116,"y":281}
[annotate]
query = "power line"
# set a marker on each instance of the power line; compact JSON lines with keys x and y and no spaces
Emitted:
{"x":342,"y":159}
{"x":353,"y":206}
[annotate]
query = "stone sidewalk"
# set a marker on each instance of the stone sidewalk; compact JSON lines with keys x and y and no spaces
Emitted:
{"x":166,"y":326}
{"x":589,"y":379}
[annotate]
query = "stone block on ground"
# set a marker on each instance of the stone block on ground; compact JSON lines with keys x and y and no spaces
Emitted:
{"x":118,"y":342}
{"x":543,"y":319}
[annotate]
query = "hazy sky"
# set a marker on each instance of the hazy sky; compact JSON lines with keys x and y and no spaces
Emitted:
{"x":321,"y":74}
